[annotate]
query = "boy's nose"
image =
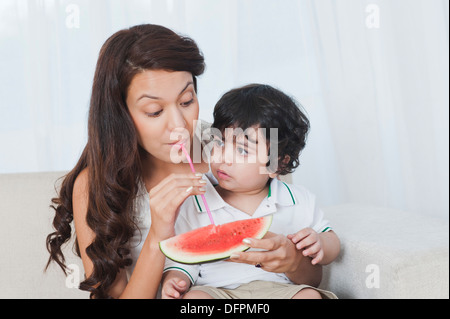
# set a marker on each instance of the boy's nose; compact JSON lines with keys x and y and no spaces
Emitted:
{"x":228,"y":154}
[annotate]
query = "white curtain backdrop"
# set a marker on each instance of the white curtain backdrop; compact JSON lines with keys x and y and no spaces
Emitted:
{"x":372,"y":76}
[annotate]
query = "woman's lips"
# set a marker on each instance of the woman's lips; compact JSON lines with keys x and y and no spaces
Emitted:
{"x":178,"y":143}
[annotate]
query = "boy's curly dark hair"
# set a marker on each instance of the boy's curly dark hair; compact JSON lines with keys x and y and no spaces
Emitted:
{"x":262,"y":106}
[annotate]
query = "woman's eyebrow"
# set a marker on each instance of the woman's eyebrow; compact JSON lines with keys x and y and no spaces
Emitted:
{"x":158,"y":98}
{"x":187,"y":85}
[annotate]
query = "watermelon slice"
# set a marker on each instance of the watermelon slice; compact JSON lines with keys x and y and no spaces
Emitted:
{"x":214,"y":242}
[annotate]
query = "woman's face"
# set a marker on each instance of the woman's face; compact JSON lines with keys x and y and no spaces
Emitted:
{"x":162,"y":105}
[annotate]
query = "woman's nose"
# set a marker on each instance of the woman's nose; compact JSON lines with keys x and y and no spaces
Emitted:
{"x":176,"y":119}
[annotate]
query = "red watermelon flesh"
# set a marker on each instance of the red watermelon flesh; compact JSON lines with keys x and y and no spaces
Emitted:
{"x":214,"y":242}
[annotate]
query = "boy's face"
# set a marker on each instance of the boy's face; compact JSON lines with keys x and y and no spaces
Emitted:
{"x":238,"y":159}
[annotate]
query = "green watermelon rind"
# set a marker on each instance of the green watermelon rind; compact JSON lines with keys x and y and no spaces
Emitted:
{"x":213,"y":257}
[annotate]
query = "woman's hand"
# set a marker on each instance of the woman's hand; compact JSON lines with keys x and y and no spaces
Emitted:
{"x":280,"y":254}
{"x":166,"y":198}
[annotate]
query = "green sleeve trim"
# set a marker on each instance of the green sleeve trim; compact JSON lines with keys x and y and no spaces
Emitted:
{"x":183,"y":270}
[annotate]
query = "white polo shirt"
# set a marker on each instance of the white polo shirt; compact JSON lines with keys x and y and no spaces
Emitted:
{"x":293,"y":208}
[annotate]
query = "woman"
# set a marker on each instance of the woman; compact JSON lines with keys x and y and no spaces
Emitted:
{"x":144,"y":90}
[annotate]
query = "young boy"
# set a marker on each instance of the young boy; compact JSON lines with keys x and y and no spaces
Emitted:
{"x":247,"y":156}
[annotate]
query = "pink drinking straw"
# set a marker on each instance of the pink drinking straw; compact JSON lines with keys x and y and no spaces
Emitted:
{"x":193,"y":171}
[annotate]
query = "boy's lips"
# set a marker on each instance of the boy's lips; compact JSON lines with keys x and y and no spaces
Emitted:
{"x":222,"y":175}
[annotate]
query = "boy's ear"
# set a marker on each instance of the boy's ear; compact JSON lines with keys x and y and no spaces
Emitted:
{"x":286,"y":159}
{"x":284,"y":162}
{"x":273,"y":175}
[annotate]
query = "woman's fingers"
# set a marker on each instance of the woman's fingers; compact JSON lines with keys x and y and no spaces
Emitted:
{"x":250,"y":257}
{"x":171,"y":178}
{"x":176,"y":195}
{"x":276,"y":255}
{"x":166,"y":198}
{"x":253,"y":257}
{"x":175,"y":181}
{"x":172,"y":191}
{"x":172,"y":201}
{"x":270,"y":242}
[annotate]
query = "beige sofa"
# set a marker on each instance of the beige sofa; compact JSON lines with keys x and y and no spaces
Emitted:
{"x":386,"y":253}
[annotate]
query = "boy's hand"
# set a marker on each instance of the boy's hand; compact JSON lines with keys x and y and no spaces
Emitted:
{"x":309,"y":240}
{"x":173,"y":288}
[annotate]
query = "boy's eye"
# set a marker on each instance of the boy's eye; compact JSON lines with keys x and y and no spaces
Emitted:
{"x":242,"y":151}
{"x":218,"y":143}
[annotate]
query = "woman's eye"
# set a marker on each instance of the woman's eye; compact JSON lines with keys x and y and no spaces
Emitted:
{"x":154,"y":114}
{"x":185,"y":104}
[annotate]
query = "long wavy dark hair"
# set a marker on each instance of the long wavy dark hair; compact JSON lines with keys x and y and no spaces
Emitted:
{"x":112,"y":153}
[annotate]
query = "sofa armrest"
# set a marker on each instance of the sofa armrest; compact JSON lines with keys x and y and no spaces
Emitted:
{"x":387,"y":253}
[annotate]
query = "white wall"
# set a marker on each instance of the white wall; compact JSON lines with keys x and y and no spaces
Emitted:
{"x":372,"y":75}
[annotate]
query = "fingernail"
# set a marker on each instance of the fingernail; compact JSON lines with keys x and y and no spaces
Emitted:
{"x":247,"y":241}
{"x":202,"y":189}
{"x":188,"y":190}
{"x":202,"y":181}
{"x":234,"y":256}
{"x":199,"y":174}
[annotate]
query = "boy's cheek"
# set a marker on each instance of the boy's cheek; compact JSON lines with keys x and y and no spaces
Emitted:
{"x":213,"y":157}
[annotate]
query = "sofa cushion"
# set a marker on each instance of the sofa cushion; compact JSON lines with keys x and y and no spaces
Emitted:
{"x":388,"y":253}
{"x":26,"y":222}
